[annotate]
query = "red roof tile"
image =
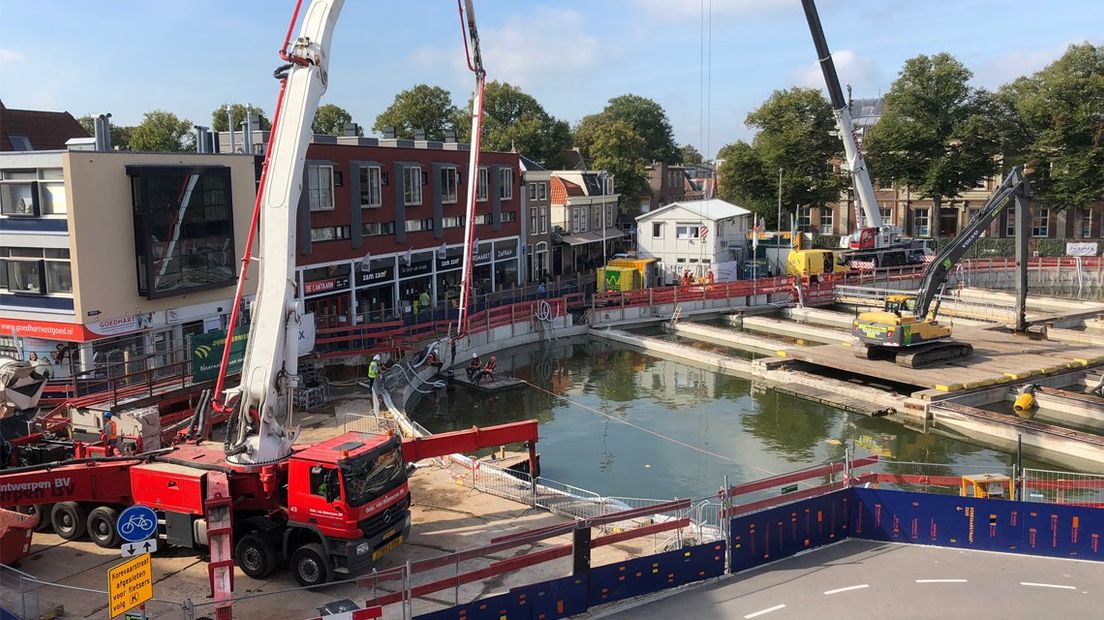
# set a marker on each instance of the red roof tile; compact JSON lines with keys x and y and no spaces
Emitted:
{"x":46,"y":131}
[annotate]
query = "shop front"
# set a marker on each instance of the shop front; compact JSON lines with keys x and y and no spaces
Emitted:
{"x":327,"y":294}
{"x":375,"y":294}
{"x":505,"y":265}
{"x":415,"y":278}
{"x":449,"y":273}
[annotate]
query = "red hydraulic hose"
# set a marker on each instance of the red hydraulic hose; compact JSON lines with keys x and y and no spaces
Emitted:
{"x":287,"y":37}
{"x":464,"y":35}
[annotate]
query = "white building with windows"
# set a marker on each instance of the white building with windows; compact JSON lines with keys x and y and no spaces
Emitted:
{"x":695,"y":235}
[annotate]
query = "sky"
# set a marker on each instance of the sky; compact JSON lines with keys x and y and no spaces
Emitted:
{"x":708,"y":62}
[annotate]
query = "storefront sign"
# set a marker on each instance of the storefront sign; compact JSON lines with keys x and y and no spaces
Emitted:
{"x":323,"y":286}
{"x":122,"y":325}
{"x":377,"y":275}
{"x":505,"y":253}
{"x":415,"y":269}
{"x":206,"y":353}
{"x":450,"y":262}
{"x":484,"y":257}
{"x":46,"y":330}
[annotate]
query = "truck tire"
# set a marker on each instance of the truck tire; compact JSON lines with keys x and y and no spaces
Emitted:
{"x":41,"y":513}
{"x":311,"y":565}
{"x":255,"y":555}
{"x":69,"y":519}
{"x":101,"y":526}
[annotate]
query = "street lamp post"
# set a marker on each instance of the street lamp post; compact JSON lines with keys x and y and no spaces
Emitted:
{"x":778,"y":223}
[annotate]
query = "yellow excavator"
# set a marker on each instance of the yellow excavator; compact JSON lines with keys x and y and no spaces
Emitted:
{"x":907,"y":329}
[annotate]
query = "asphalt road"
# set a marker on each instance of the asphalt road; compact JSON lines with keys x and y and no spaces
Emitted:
{"x":860,"y":580}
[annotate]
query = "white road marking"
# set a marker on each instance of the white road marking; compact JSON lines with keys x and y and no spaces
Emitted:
{"x":940,"y":581}
{"x":1047,"y":585}
{"x":763,"y":611}
{"x":848,"y":588}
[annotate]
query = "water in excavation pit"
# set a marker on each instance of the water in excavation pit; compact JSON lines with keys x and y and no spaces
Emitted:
{"x":725,"y":424}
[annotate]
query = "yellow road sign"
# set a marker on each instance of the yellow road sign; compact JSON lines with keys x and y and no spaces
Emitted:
{"x":130,"y":584}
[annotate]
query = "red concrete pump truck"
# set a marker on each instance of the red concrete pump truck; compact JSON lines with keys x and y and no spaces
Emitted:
{"x":327,"y":509}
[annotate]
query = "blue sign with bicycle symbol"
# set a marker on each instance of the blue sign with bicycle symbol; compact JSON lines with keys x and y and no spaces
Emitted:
{"x":137,"y":523}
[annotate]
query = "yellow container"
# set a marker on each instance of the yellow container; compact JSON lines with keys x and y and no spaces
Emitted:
{"x":618,"y":278}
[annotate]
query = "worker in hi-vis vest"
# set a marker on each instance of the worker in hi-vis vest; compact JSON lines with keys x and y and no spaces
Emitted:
{"x":373,"y":371}
{"x":110,"y":434}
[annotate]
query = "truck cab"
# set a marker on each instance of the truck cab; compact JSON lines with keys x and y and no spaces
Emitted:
{"x":351,"y":493}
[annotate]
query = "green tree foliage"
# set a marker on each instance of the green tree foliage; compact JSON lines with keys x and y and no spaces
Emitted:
{"x":162,"y":131}
{"x":795,"y":133}
{"x":1062,"y":113}
{"x":330,"y":120}
{"x":423,"y":107}
{"x":514,"y":120}
{"x":689,"y":155}
{"x":646,"y":117}
{"x":935,"y":134}
{"x":237,"y":111}
{"x":120,"y":134}
{"x":619,"y":150}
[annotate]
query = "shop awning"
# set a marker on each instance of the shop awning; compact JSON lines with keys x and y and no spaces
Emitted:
{"x":592,"y":237}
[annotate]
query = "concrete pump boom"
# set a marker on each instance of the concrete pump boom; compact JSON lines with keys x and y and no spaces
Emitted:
{"x":475,"y":63}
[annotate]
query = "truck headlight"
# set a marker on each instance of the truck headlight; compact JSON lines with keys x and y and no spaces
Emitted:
{"x":363,"y":548}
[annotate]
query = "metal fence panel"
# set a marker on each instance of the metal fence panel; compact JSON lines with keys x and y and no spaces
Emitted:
{"x":1061,"y":487}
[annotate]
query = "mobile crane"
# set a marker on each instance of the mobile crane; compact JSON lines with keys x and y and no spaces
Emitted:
{"x":260,"y":500}
{"x":907,"y":328}
{"x":878,"y":242}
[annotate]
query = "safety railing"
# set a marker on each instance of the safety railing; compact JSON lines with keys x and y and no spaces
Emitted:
{"x":369,"y":423}
{"x":30,"y":597}
{"x":938,"y":478}
{"x":1062,"y":487}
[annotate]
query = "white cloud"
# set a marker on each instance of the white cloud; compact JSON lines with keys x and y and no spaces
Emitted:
{"x":1006,"y":67}
{"x":861,"y":73}
{"x":8,"y":56}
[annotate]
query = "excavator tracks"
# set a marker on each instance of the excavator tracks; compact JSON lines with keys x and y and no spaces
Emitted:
{"x":918,"y":356}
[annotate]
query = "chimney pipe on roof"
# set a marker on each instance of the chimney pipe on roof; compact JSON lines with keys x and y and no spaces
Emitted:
{"x":350,"y":129}
{"x":102,"y":127}
{"x":247,"y":131}
{"x":202,"y":146}
{"x":389,"y":132}
{"x":419,"y":134}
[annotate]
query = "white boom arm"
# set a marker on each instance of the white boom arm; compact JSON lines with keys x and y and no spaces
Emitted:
{"x":270,"y":368}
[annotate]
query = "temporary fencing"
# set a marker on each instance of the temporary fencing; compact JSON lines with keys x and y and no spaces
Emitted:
{"x":1062,"y":487}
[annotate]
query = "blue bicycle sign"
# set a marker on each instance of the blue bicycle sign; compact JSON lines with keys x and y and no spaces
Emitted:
{"x":137,"y":523}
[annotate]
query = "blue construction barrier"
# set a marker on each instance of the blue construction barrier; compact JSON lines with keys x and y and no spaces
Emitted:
{"x":569,"y":596}
{"x":670,"y":569}
{"x":975,"y":523}
{"x":780,"y":532}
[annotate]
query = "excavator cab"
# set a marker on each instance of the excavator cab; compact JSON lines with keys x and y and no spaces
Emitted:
{"x":897,"y":304}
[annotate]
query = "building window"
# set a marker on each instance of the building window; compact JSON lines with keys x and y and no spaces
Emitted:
{"x":804,"y":218}
{"x":657,"y":230}
{"x":509,"y":216}
{"x":534,"y":218}
{"x":542,"y":191}
{"x":20,"y":142}
{"x":329,"y":233}
{"x":482,"y":218}
{"x":687,"y":232}
{"x":452,"y":222}
{"x":920,"y":222}
{"x":533,"y":191}
{"x":412,"y":185}
{"x":448,"y":185}
{"x":596,"y":214}
{"x":543,"y":219}
{"x":506,"y":189}
{"x":885,"y":183}
{"x":189,"y":245}
{"x":19,"y":199}
{"x":579,"y":219}
{"x":1040,"y":223}
{"x":481,"y":187}
{"x":370,"y":187}
{"x":419,"y":225}
{"x":377,"y":229}
{"x":1086,"y":223}
{"x":31,"y":193}
{"x":1010,"y":222}
{"x":887,"y":215}
{"x":826,"y":221}
{"x":320,"y":187}
{"x":611,"y":217}
{"x":36,"y":271}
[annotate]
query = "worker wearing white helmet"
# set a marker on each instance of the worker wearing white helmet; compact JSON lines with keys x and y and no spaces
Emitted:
{"x":373,"y":371}
{"x":474,"y":367}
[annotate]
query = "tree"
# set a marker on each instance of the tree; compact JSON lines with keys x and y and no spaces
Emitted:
{"x":689,"y":155}
{"x":424,"y":107}
{"x":237,"y":111}
{"x":795,"y":135}
{"x":619,"y":150}
{"x":162,"y":131}
{"x":330,"y":120}
{"x":120,"y":134}
{"x":646,"y":117}
{"x":934,"y":134}
{"x":1061,"y":109}
{"x":514,"y":120}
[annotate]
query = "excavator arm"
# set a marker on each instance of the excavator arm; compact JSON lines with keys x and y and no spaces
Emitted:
{"x":1015,"y":186}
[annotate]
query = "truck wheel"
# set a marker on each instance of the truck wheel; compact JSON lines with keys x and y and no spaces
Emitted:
{"x":311,"y":565}
{"x":101,"y":526}
{"x":41,"y":513}
{"x":69,"y":520}
{"x":255,"y":555}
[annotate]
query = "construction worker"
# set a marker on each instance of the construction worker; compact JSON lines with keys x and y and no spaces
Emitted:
{"x":487,"y":371}
{"x":373,"y":371}
{"x":474,"y":367}
{"x":424,"y":301}
{"x":110,"y":435}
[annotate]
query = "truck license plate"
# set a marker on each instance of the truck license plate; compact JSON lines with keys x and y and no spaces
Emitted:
{"x":379,"y":553}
